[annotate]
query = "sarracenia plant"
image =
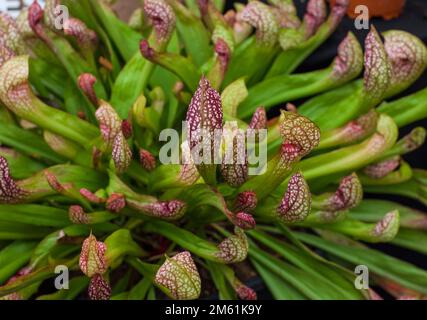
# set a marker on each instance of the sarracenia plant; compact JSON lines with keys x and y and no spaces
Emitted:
{"x":140,"y":156}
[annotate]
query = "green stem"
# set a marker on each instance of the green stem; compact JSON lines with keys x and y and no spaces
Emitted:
{"x":355,"y":156}
{"x":64,"y":124}
{"x":404,"y":173}
{"x":285,"y":88}
{"x":415,"y":188}
{"x":287,"y":61}
{"x":181,"y":66}
{"x":340,"y":283}
{"x":354,"y":228}
{"x":264,"y":184}
{"x":408,"y":143}
{"x":185,"y":239}
{"x":146,"y":269}
{"x":36,"y":276}
{"x":407,"y":109}
{"x":372,"y":210}
{"x":242,"y":62}
{"x":194,"y":35}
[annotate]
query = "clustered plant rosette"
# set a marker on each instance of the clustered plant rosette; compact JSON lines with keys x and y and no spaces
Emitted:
{"x":82,"y":184}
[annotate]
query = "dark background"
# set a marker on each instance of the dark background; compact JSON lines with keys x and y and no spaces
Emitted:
{"x":413,"y":20}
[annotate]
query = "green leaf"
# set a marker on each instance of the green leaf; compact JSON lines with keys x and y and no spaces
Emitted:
{"x":13,"y":257}
{"x":120,"y":296}
{"x":151,"y":294}
{"x":379,"y":263}
{"x":332,"y":265}
{"x":225,"y":292}
{"x":75,"y":65}
{"x":407,"y":109}
{"x":130,"y":84}
{"x":352,"y":157}
{"x":279,"y":288}
{"x":37,"y":276}
{"x":193,"y":34}
{"x":50,"y":76}
{"x":321,"y":104}
{"x":34,"y":214}
{"x":179,"y":65}
{"x":412,"y":239}
{"x":184,"y":238}
{"x":84,"y":230}
{"x":120,"y":244}
{"x":6,"y":116}
{"x":73,"y":99}
{"x":18,"y":138}
{"x":21,"y":231}
{"x":64,"y":124}
{"x":282,"y":89}
{"x":121,"y":284}
{"x":146,"y":269}
{"x":167,"y":80}
{"x":125,"y":39}
{"x":21,"y":165}
{"x":288,"y":60}
{"x":242,"y":62}
{"x":412,"y":189}
{"x":308,"y":263}
{"x":373,"y":210}
{"x":313,"y":286}
{"x":204,"y":204}
{"x":45,"y":247}
{"x":140,"y":290}
{"x":82,"y":10}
